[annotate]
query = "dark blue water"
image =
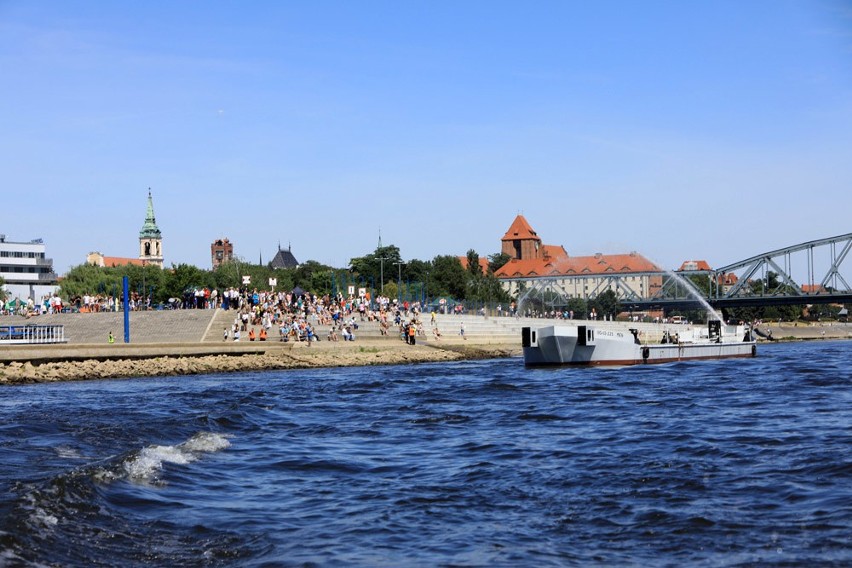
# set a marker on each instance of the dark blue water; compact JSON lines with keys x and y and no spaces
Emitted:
{"x":715,"y":463}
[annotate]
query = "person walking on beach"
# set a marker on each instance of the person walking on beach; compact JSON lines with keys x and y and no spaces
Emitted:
{"x":461,"y":331}
{"x":110,"y":338}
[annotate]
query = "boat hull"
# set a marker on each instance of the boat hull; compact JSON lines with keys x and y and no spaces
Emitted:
{"x":583,"y":345}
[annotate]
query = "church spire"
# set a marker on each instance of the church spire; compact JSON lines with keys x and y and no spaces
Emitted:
{"x":149,"y":228}
{"x":150,"y":238}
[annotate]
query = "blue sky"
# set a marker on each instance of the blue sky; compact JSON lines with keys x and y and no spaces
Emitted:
{"x":681,"y":130}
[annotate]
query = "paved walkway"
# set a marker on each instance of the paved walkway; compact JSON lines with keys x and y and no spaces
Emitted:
{"x":201,"y":330}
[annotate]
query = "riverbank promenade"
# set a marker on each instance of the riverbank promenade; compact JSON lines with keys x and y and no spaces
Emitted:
{"x":207,"y":326}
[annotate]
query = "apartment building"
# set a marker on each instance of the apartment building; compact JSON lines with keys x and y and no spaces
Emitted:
{"x":26,"y":270}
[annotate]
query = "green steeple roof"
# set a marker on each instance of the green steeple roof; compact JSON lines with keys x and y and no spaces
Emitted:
{"x":150,"y":229}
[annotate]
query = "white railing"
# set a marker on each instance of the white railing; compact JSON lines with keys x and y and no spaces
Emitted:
{"x":31,"y":334}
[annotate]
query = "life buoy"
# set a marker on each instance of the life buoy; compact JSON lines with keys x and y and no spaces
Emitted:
{"x":646,"y":352}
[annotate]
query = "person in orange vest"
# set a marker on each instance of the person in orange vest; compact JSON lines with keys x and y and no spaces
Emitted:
{"x":251,"y":334}
{"x":412,"y":332}
{"x":263,"y":334}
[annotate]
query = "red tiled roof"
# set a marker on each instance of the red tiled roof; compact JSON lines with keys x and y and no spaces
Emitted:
{"x":727,"y":279}
{"x":113,"y":261}
{"x":814,"y":289}
{"x":694,"y":265}
{"x":553,"y":251}
{"x":573,"y":265}
{"x":520,"y":229}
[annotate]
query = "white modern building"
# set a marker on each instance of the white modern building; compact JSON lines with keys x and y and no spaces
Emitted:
{"x":26,"y":271}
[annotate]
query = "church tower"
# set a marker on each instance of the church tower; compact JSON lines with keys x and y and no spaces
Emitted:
{"x":520,"y":242}
{"x":150,"y":238}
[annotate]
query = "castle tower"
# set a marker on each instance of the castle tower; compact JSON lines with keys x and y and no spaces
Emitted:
{"x":221,"y":251}
{"x":520,"y":242}
{"x":150,"y":238}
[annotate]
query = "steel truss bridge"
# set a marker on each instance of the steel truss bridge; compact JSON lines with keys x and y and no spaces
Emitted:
{"x":807,"y":273}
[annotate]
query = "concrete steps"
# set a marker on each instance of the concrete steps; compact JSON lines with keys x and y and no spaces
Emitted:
{"x":188,"y":326}
{"x":221,"y":319}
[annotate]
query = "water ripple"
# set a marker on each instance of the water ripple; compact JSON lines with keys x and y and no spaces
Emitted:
{"x":467,"y":463}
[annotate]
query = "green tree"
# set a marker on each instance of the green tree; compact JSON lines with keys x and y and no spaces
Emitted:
{"x":2,"y":289}
{"x":81,"y":279}
{"x":378,"y":265}
{"x":313,"y":276}
{"x":283,"y":278}
{"x":579,"y":306}
{"x":493,"y":290}
{"x":474,"y":270}
{"x":418,"y":270}
{"x":447,"y":277}
{"x":183,"y":278}
{"x":108,"y":281}
{"x":148,"y":280}
{"x":497,"y":261}
{"x":391,"y":290}
{"x":606,"y":304}
{"x":227,"y":275}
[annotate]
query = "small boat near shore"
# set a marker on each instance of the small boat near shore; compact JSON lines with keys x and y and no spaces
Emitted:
{"x":588,"y":345}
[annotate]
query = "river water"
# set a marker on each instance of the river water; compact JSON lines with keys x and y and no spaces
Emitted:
{"x":476,"y":463}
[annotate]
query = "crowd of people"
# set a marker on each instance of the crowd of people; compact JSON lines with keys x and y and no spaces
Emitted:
{"x":261,"y":315}
{"x":298,"y":316}
{"x":86,"y":303}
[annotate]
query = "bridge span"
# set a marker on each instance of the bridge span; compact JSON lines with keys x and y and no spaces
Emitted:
{"x":806,"y":273}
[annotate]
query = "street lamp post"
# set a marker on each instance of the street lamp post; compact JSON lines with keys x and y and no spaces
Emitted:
{"x":400,"y":264}
{"x":382,"y":272}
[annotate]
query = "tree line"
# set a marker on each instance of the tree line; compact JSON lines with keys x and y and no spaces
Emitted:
{"x":382,"y":271}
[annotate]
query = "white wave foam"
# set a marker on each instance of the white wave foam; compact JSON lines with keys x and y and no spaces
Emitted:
{"x":67,"y":452}
{"x":206,"y":442}
{"x":149,"y":461}
{"x":44,"y":518}
{"x":40,"y":518}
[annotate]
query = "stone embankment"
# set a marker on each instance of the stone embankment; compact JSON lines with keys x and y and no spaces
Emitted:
{"x":178,"y":360}
{"x":190,"y":342}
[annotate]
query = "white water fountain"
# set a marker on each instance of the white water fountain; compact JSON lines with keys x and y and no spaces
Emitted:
{"x":695,"y":293}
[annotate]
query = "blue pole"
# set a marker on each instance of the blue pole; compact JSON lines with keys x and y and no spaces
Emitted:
{"x":126,"y":286}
